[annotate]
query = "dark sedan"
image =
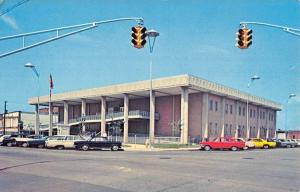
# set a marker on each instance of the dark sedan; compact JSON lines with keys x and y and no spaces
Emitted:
{"x":98,"y":143}
{"x":38,"y":141}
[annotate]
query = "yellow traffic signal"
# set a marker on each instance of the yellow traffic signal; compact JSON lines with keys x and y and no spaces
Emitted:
{"x":138,"y":36}
{"x":244,"y":38}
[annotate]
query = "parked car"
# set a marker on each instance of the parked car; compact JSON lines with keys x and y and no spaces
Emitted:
{"x":262,"y":143}
{"x":98,"y":143}
{"x":297,"y":141}
{"x":223,"y":143}
{"x":38,"y":141}
{"x":16,"y":140}
{"x":248,"y":143}
{"x":285,"y":143}
{"x":62,"y":141}
{"x":2,"y":137}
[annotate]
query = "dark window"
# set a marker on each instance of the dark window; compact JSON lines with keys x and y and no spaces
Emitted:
{"x":240,"y":110}
{"x":253,"y":113}
{"x":226,"y":108}
{"x":250,"y":113}
{"x":211,"y":105}
{"x":216,"y":106}
{"x":263,"y":115}
{"x":244,"y":111}
{"x":230,"y":109}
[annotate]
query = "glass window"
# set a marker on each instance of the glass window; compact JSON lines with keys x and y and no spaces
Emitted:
{"x":216,"y":106}
{"x":263,"y":115}
{"x":244,"y":111}
{"x":240,"y":110}
{"x":230,"y":109}
{"x":250,"y":113}
{"x":70,"y":138}
{"x":211,"y":105}
{"x":226,"y":108}
{"x":253,"y":113}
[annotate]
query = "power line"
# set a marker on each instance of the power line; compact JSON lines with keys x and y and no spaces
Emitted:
{"x":13,"y":7}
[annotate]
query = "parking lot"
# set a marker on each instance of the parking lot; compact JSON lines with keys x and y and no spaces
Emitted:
{"x":25,"y":169}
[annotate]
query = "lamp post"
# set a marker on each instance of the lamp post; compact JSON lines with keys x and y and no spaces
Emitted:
{"x":255,"y":77}
{"x":37,"y":120}
{"x":286,"y":109}
{"x":151,"y":34}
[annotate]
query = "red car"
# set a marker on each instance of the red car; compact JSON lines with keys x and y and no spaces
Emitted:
{"x":223,"y":143}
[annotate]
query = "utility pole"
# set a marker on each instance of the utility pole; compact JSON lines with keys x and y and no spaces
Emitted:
{"x":4,"y":117}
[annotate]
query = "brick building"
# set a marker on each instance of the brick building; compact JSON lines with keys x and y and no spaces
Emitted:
{"x":183,"y":106}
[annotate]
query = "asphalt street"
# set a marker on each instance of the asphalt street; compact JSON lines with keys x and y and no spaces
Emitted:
{"x":24,"y":169}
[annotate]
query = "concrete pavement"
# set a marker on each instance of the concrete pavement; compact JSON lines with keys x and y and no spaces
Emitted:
{"x":25,"y":169}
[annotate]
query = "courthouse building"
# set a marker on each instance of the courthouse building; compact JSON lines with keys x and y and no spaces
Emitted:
{"x":184,"y":106}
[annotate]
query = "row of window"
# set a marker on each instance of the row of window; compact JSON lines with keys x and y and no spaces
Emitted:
{"x":213,"y":106}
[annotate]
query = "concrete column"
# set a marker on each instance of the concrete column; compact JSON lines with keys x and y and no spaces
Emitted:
{"x":222,"y":116}
{"x":37,"y":120}
{"x":258,"y":123}
{"x":267,"y":134}
{"x":66,"y":113}
{"x":205,"y":115}
{"x":83,"y":113}
{"x":103,"y":116}
{"x":152,"y":118}
{"x":184,"y":115}
{"x":236,"y":119}
{"x":126,"y":111}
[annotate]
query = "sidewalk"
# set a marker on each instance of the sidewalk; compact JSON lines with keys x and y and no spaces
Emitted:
{"x":140,"y":147}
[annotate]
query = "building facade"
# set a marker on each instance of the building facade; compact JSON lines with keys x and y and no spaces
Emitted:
{"x":185,"y":106}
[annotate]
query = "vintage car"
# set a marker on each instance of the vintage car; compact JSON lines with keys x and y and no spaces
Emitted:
{"x":38,"y":141}
{"x":62,"y":141}
{"x":223,"y":143}
{"x":16,"y":140}
{"x":98,"y":143}
{"x":262,"y":143}
{"x":249,"y":144}
{"x":3,"y":137}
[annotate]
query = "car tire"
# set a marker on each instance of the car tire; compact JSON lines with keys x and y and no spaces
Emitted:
{"x":40,"y":146}
{"x":266,"y":146}
{"x":288,"y":146}
{"x":25,"y":144}
{"x":10,"y":144}
{"x":207,"y":148}
{"x":246,"y":148}
{"x":60,"y":147}
{"x":234,"y":148}
{"x":85,"y":147}
{"x":115,"y":148}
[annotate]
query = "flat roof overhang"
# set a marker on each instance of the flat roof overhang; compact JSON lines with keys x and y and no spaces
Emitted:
{"x":162,"y":87}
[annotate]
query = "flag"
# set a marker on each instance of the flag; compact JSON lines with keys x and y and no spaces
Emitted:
{"x":51,"y":82}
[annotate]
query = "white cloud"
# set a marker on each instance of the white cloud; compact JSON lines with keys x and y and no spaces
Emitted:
{"x":9,"y":21}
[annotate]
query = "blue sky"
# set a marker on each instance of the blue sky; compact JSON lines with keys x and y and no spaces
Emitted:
{"x":197,"y":37}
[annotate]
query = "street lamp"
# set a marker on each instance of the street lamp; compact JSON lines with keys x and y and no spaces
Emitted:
{"x":37,"y":120}
{"x":286,"y":109}
{"x":151,"y":34}
{"x":255,"y":77}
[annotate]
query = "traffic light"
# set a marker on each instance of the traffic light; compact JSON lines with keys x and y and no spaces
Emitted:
{"x":244,"y":38}
{"x":138,"y":36}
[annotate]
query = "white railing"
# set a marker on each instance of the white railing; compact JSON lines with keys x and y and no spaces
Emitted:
{"x":115,"y":115}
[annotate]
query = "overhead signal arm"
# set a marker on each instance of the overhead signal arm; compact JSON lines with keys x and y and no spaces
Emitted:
{"x":76,"y":29}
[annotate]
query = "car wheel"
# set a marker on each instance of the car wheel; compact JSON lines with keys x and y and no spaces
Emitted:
{"x":207,"y":148}
{"x":85,"y":147}
{"x":266,"y":146}
{"x":40,"y":146}
{"x":234,"y":148}
{"x":25,"y":145}
{"x":60,"y":147}
{"x":115,"y":148}
{"x":9,"y":144}
{"x":288,"y":146}
{"x":246,"y":148}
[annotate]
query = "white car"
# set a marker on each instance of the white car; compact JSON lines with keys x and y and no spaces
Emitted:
{"x":62,"y":141}
{"x":3,"y":137}
{"x":248,"y":144}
